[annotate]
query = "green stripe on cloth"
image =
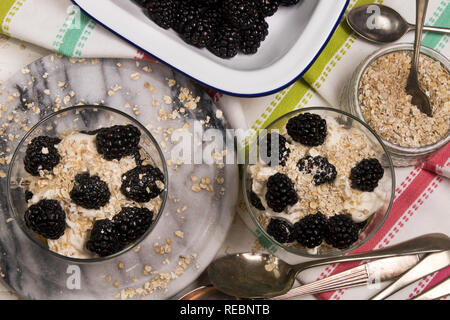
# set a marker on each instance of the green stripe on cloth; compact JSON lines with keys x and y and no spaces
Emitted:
{"x":341,"y":35}
{"x":8,"y":9}
{"x":83,"y":38}
{"x":298,"y":89}
{"x":72,"y":36}
{"x":441,"y":18}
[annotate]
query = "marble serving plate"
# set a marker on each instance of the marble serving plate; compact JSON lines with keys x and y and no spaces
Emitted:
{"x":203,"y":218}
{"x":297,"y":35}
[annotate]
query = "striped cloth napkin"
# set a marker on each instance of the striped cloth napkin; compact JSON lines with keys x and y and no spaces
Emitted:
{"x":421,"y":199}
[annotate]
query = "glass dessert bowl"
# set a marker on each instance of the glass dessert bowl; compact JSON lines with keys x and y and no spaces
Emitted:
{"x":87,"y":183}
{"x":326,"y":189}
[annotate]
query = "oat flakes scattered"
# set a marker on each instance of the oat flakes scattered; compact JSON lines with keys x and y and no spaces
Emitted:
{"x":135,"y":76}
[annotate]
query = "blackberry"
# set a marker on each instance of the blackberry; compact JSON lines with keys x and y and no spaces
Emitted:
{"x":280,"y":192}
{"x":310,"y":230}
{"x":319,"y":167}
{"x":268,"y":7}
{"x":266,"y":148}
{"x":252,"y":37}
{"x":28,"y":195}
{"x":280,"y":230}
{"x":46,"y":218}
{"x":162,"y":12}
{"x":225,"y":43}
{"x":288,"y":3}
{"x":89,"y":192}
{"x":240,"y":14}
{"x":104,"y":239}
{"x":256,"y":201}
{"x":366,"y":175}
{"x":41,"y":154}
{"x":308,"y":129}
{"x":341,"y":232}
{"x":186,"y":14}
{"x":131,"y":223}
{"x":139,"y":184}
{"x":118,"y":141}
{"x":199,"y":32}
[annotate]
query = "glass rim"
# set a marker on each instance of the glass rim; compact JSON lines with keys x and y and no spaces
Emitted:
{"x":163,"y":197}
{"x":334,"y":253}
{"x":404,"y":46}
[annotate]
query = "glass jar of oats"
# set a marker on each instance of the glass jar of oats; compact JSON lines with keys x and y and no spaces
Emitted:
{"x":377,"y":95}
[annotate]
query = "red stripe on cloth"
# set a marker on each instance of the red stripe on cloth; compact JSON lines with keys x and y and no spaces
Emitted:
{"x":440,"y":276}
{"x":140,"y":55}
{"x":438,"y":160}
{"x":149,"y":58}
{"x":441,"y":157}
{"x":405,"y":183}
{"x":404,"y":201}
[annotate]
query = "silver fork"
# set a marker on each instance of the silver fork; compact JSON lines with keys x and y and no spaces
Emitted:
{"x":379,"y":270}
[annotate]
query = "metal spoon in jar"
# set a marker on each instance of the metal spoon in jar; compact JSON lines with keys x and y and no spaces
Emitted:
{"x":413,"y":87}
{"x":248,"y":275}
{"x":382,"y":24}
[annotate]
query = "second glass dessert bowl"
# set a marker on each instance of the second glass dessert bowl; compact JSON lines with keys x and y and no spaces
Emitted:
{"x":334,"y":180}
{"x":87,"y":183}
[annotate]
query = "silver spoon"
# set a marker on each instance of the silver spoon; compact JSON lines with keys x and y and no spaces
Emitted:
{"x":248,"y":275}
{"x":382,"y":24}
{"x":413,"y":88}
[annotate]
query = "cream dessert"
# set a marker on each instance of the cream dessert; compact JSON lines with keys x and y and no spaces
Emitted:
{"x":91,"y":193}
{"x":326,"y":185}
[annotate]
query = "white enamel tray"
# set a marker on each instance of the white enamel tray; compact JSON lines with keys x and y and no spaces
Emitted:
{"x":296,"y":37}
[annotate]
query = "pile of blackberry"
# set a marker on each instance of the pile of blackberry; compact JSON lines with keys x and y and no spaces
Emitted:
{"x":110,"y":236}
{"x":339,"y":231}
{"x":224,"y":27}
